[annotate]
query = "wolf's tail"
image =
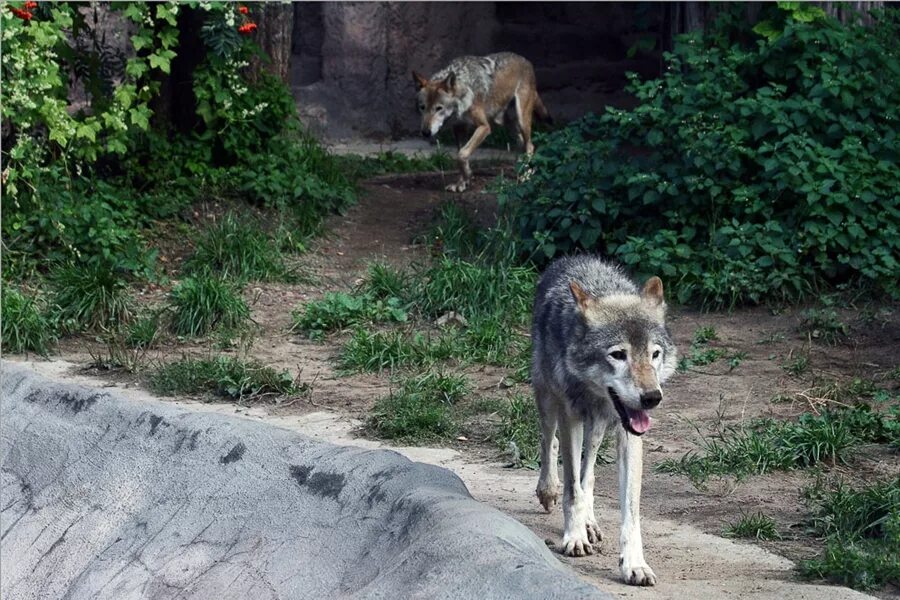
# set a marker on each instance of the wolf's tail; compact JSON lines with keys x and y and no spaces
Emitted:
{"x":541,"y":111}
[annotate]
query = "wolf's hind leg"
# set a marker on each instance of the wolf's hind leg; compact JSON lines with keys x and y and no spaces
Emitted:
{"x":594,"y":430}
{"x":548,"y":481}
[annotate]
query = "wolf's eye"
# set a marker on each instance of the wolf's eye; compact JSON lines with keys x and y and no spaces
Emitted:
{"x":421,"y":107}
{"x":656,"y":354}
{"x":438,"y":108}
{"x":618,"y":355}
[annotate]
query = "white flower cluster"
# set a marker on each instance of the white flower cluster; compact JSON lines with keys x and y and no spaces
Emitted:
{"x":246,"y":114}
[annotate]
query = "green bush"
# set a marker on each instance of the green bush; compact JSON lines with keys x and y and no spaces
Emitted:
{"x":25,"y":324}
{"x":204,"y":302}
{"x":747,"y":171}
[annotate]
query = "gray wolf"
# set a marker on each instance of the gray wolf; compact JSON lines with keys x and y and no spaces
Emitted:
{"x":473,"y":91}
{"x":601,"y":351}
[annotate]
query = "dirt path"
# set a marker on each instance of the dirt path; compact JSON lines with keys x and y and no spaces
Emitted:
{"x":679,"y":521}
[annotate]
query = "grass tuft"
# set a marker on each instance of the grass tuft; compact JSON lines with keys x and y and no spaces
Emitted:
{"x":237,"y":247}
{"x":339,"y":310}
{"x":224,"y":376}
{"x":25,"y":325}
{"x":90,"y":296}
{"x":758,"y":527}
{"x":205,"y":302}
{"x":420,"y":409}
{"x":861,"y":527}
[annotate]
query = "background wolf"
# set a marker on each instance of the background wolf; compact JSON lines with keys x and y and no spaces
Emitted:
{"x":471,"y":92}
{"x":601,"y":351}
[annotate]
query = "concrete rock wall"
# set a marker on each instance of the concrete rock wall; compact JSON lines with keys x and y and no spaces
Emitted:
{"x":352,"y":61}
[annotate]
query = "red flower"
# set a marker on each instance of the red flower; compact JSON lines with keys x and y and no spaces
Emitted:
{"x":243,"y":10}
{"x":247,"y":28}
{"x":22,"y":14}
{"x":30,"y":5}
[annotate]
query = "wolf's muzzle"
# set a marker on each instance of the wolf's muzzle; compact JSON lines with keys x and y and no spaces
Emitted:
{"x":651,"y":399}
{"x":426,"y":133}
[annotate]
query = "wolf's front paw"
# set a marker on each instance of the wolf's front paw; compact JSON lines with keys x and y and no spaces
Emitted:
{"x":637,"y":574}
{"x":548,"y":496}
{"x":525,"y":175}
{"x":593,"y":533}
{"x":458,"y":187}
{"x":577,"y":545}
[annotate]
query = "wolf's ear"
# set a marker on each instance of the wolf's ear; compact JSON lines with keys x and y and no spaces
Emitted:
{"x":449,"y":82}
{"x":419,"y":79}
{"x":653,"y":292}
{"x":582,"y":298}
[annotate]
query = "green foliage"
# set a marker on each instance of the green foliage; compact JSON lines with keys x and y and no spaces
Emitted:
{"x":758,"y":527}
{"x":745,"y":173}
{"x":338,"y":310}
{"x":704,"y":335}
{"x":224,"y":376}
{"x":204,"y":302}
{"x":861,"y":527}
{"x":90,"y":296}
{"x":824,"y":324}
{"x":420,"y":410}
{"x":237,"y":247}
{"x":85,"y":220}
{"x":25,"y":323}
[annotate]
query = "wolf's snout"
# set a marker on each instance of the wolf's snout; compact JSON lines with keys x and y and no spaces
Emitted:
{"x":426,"y":133}
{"x":651,"y":399}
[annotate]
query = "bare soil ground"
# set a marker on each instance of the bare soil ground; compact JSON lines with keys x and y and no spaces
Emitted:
{"x":682,"y":524}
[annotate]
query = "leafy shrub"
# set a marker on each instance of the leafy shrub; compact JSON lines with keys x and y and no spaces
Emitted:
{"x":25,"y":324}
{"x":91,"y":296}
{"x":225,"y":376}
{"x":204,"y":302}
{"x":85,"y":221}
{"x":746,"y":172}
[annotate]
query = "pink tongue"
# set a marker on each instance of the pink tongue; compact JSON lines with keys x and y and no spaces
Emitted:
{"x":639,"y":420}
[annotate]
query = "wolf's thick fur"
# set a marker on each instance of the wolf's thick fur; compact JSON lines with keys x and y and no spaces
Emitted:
{"x":471,"y":92}
{"x":601,"y":351}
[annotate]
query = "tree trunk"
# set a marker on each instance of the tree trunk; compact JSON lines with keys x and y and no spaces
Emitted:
{"x":855,"y":10}
{"x":275,"y":25}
